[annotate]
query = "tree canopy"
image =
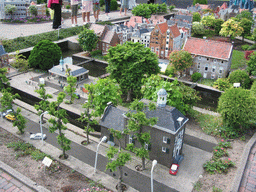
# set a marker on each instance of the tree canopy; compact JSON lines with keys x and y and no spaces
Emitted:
{"x":196,"y":17}
{"x":181,"y":60}
{"x":251,"y":64}
{"x":198,"y":28}
{"x":44,"y":55}
{"x":87,"y":39}
{"x":231,"y":28}
{"x":200,"y":2}
{"x":128,"y":64}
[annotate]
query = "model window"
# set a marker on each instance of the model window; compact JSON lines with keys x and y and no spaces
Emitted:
{"x":214,"y":60}
{"x":146,"y":146}
{"x":152,"y":49}
{"x":212,"y":76}
{"x":164,"y":149}
{"x":199,"y":57}
{"x":130,"y":139}
{"x":207,"y":59}
{"x":165,"y":139}
{"x":213,"y":69}
{"x":206,"y":68}
{"x":198,"y":65}
{"x":221,"y":70}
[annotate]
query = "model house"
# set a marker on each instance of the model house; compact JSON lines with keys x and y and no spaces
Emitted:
{"x":164,"y":39}
{"x":136,"y":20}
{"x":21,"y":9}
{"x":4,"y":58}
{"x":167,"y":136}
{"x":211,"y":58}
{"x":107,"y":38}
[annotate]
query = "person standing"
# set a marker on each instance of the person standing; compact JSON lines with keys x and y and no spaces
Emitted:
{"x":125,"y":6}
{"x":107,"y":9}
{"x":74,"y":9}
{"x":86,"y":9}
{"x":56,"y":6}
{"x":96,"y":9}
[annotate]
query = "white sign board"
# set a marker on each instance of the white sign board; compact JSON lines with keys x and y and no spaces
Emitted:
{"x":47,"y":161}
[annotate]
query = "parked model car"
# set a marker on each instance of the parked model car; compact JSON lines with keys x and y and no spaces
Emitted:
{"x":10,"y":117}
{"x":7,"y":112}
{"x":78,"y":96}
{"x":174,"y":169}
{"x":38,"y":136}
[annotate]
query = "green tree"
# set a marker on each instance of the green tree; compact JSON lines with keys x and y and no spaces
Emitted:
{"x":240,"y":76}
{"x":245,"y":14}
{"x":58,"y":121}
{"x":3,"y":79}
{"x":43,"y":105}
{"x":196,"y":17}
{"x":44,"y":55}
{"x":117,"y":159}
{"x":20,"y":121}
{"x":33,"y":10}
{"x":222,"y":84}
{"x":237,"y":108}
{"x":200,"y":2}
{"x":217,"y":26}
{"x":128,"y":64}
{"x":71,"y":88}
{"x":87,"y":39}
{"x":198,"y":28}
{"x":231,"y":28}
{"x":181,"y":60}
{"x":208,"y":21}
{"x":7,"y":99}
{"x":10,"y":9}
{"x":136,"y":120}
{"x":253,"y":89}
{"x":20,"y":62}
{"x":254,"y":35}
{"x":251,"y":64}
{"x":246,"y":24}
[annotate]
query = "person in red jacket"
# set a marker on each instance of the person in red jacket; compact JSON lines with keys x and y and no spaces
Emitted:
{"x":56,"y":6}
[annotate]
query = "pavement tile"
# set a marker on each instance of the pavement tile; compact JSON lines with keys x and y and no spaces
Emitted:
{"x":16,"y":182}
{"x":252,"y":181}
{"x":16,"y":190}
{"x":8,"y":186}
{"x":11,"y":189}
{"x":242,"y":189}
{"x":3,"y":184}
{"x":6,"y":176}
{"x":2,"y":180}
{"x":26,"y":189}
{"x":251,"y":156}
{"x":253,"y":175}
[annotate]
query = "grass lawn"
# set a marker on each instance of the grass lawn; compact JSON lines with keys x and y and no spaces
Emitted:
{"x":238,"y":60}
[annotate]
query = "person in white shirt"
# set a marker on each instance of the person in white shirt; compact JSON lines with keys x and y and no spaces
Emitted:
{"x":74,"y":9}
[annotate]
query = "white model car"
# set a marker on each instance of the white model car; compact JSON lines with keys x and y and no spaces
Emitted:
{"x":38,"y":136}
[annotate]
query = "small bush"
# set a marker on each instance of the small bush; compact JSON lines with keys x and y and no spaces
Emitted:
{"x":245,"y":47}
{"x":222,"y":84}
{"x":68,"y":7}
{"x":38,"y":155}
{"x":97,"y":52}
{"x":196,"y":76}
{"x":170,"y":71}
{"x":171,"y":7}
{"x":219,"y":166}
{"x":247,"y":54}
{"x":102,"y":2}
{"x":240,"y":76}
{"x":253,"y":89}
{"x":252,"y":47}
{"x":33,"y":10}
{"x":113,"y":5}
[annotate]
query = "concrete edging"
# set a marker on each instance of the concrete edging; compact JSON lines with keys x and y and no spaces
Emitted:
{"x":244,"y":161}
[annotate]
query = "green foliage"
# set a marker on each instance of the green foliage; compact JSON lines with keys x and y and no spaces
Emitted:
{"x":240,"y":76}
{"x":237,"y":108}
{"x":245,"y":14}
{"x":20,"y":121}
{"x":21,"y":148}
{"x":219,"y":152}
{"x":136,"y":120}
{"x":253,"y":89}
{"x":200,"y":2}
{"x":146,"y":10}
{"x":19,"y":43}
{"x":216,"y":189}
{"x":170,"y":71}
{"x":171,"y":7}
{"x":198,"y":28}
{"x":44,"y":55}
{"x":231,"y":28}
{"x":222,"y":84}
{"x":10,"y":9}
{"x":33,"y":10}
{"x":128,"y":64}
{"x":105,"y":22}
{"x":197,"y":186}
{"x":238,"y":59}
{"x":196,"y":76}
{"x":113,"y":5}
{"x":179,"y":95}
{"x":68,"y":7}
{"x":71,"y":88}
{"x":3,"y":79}
{"x":7,"y":99}
{"x":181,"y":60}
{"x":58,"y":120}
{"x":102,"y":2}
{"x":246,"y":24}
{"x":95,"y":53}
{"x":88,"y":40}
{"x":254,"y":35}
{"x":245,"y":47}
{"x":38,"y":155}
{"x":251,"y":64}
{"x":218,"y":25}
{"x":208,"y":21}
{"x":20,"y":62}
{"x":196,"y":17}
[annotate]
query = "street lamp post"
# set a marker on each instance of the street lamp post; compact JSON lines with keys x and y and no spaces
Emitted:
{"x":46,"y":112}
{"x":103,"y":139}
{"x":152,"y":169}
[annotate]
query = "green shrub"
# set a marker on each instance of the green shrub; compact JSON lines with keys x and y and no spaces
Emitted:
{"x":196,"y":76}
{"x":161,"y":8}
{"x":33,"y":10}
{"x":102,"y":2}
{"x":252,"y":47}
{"x":171,"y":7}
{"x":146,"y":10}
{"x":95,"y":53}
{"x":87,"y":39}
{"x":44,"y":55}
{"x":219,"y":151}
{"x":47,"y":12}
{"x":240,"y":76}
{"x":253,"y":89}
{"x":219,"y":166}
{"x":113,"y":5}
{"x":245,"y":47}
{"x":170,"y":71}
{"x":222,"y":84}
{"x":68,"y":7}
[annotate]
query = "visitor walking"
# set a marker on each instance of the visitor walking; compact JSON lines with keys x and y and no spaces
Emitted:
{"x":125,"y":6}
{"x":132,"y":4}
{"x":86,"y":9}
{"x":56,"y":6}
{"x":74,"y":9}
{"x":96,"y":9}
{"x":107,"y":9}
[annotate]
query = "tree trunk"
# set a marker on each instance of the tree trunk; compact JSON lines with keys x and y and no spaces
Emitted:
{"x":88,"y":125}
{"x":129,"y":95}
{"x":119,"y":142}
{"x":143,"y":163}
{"x":120,"y":178}
{"x":61,"y":142}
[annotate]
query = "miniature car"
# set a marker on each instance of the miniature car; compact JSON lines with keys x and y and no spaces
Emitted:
{"x":10,"y":117}
{"x":174,"y":169}
{"x":38,"y":136}
{"x":7,"y":112}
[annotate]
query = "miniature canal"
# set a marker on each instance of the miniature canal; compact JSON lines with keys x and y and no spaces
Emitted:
{"x":96,"y":69}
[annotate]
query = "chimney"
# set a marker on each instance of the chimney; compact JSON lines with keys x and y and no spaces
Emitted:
{"x":180,"y":119}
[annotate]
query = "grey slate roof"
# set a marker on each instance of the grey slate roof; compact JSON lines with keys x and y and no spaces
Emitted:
{"x":2,"y":51}
{"x":113,"y":118}
{"x":184,"y":17}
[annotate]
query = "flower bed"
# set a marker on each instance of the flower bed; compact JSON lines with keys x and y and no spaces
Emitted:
{"x":31,"y":19}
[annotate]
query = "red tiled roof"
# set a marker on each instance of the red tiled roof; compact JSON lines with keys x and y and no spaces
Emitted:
{"x":136,"y":19}
{"x":163,"y":27}
{"x":108,"y":37}
{"x":224,"y":6}
{"x":175,"y":31}
{"x":98,"y":29}
{"x":208,"y":48}
{"x":203,"y":6}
